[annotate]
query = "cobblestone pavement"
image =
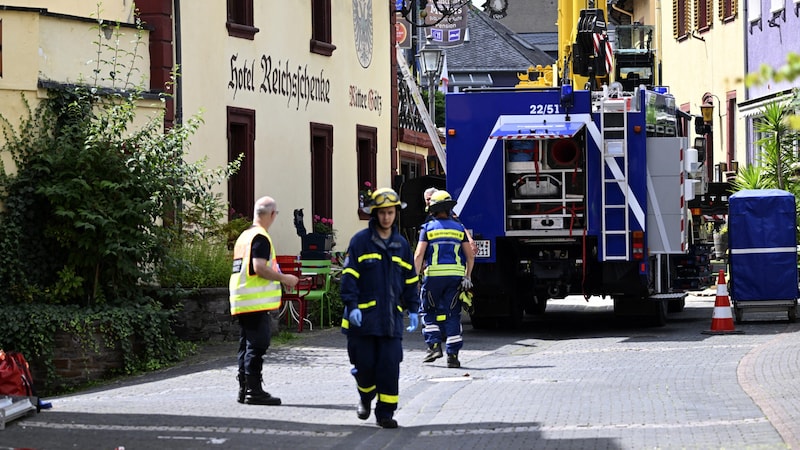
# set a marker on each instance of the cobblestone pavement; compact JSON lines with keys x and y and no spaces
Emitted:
{"x":574,"y":378}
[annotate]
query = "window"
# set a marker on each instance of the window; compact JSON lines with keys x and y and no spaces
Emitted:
{"x":241,"y":141}
{"x":730,"y":126}
{"x":753,"y":10}
{"x":321,"y":27}
{"x":434,"y":165}
{"x":778,"y":11}
{"x":728,"y":10}
{"x":366,"y":155}
{"x":680,"y":19}
{"x":411,"y":165}
{"x":322,"y":170}
{"x":702,"y":15}
{"x":240,"y":19}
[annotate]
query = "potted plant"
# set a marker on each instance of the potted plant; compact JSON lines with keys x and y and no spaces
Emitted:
{"x":363,"y":200}
{"x":721,"y":242}
{"x":319,"y":243}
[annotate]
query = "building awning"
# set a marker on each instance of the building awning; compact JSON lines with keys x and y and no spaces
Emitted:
{"x":755,"y":107}
{"x":552,"y":130}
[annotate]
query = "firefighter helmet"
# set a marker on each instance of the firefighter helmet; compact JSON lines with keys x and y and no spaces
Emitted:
{"x":383,"y":198}
{"x":441,"y":201}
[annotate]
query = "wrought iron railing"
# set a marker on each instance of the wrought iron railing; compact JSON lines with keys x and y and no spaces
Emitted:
{"x":408,"y":115}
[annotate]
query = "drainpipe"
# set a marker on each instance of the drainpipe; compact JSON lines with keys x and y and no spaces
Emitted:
{"x":178,"y":64}
{"x":659,"y":38}
{"x":749,"y":154}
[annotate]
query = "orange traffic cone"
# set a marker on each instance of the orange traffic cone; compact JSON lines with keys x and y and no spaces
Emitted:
{"x":722,"y":319}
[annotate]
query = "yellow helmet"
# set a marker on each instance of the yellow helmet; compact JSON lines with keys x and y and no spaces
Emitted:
{"x":441,"y":201}
{"x":383,"y":198}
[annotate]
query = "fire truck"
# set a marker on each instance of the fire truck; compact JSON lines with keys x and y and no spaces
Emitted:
{"x":578,"y":182}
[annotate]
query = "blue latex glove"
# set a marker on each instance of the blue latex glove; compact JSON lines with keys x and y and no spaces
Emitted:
{"x":355,"y":317}
{"x":413,"y":321}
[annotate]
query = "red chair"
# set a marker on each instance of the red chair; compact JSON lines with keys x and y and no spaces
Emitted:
{"x":291,"y":265}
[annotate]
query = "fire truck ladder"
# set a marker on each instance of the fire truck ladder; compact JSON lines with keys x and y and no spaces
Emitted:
{"x":614,"y":223}
{"x":430,"y":127}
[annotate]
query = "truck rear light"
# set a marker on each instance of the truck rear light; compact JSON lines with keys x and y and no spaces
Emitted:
{"x":637,"y":245}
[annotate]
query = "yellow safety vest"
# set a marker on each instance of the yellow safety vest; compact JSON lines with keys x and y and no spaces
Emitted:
{"x":251,"y":293}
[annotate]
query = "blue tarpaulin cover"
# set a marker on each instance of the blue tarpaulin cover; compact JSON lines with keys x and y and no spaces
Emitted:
{"x":550,"y":130}
{"x":763,"y":245}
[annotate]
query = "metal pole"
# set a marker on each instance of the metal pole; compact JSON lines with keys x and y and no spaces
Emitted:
{"x":432,"y":98}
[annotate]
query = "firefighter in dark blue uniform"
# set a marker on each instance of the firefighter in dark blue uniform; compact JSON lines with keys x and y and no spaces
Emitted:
{"x":379,"y":284}
{"x":444,"y":248}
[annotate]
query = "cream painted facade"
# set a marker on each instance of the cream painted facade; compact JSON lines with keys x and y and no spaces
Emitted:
{"x":56,"y":47}
{"x":713,"y":62}
{"x":113,"y":10}
{"x":219,"y":71}
{"x":282,"y":142}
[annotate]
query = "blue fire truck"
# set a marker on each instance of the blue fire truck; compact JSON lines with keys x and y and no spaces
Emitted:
{"x":575,"y":192}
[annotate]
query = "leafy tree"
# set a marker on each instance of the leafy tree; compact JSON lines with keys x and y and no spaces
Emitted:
{"x":778,"y":159}
{"x":788,"y":72}
{"x":94,"y":204}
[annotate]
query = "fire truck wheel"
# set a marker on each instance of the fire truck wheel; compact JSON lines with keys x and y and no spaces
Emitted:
{"x":539,"y":304}
{"x":481,"y":323}
{"x":676,"y":306}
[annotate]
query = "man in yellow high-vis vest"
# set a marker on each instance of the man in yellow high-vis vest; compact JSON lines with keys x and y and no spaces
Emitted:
{"x":255,"y":287}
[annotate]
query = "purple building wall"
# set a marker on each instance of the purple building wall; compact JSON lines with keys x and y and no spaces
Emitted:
{"x":769,"y":39}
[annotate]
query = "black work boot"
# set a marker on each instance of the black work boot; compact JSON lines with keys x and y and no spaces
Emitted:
{"x":254,"y":395}
{"x":452,"y":361}
{"x":242,"y":387}
{"x":363,"y":409}
{"x":434,"y":353}
{"x":387,"y":423}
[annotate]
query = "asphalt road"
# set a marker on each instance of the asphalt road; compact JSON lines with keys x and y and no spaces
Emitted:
{"x":573,"y":378}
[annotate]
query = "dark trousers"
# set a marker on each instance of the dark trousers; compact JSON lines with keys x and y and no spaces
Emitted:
{"x":376,"y":361}
{"x":254,"y":340}
{"x":440,"y":315}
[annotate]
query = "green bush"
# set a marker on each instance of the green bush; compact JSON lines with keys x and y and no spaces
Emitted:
{"x":196,"y":264}
{"x":143,"y":333}
{"x":94,"y":209}
{"x":94,"y":204}
{"x":203,"y":258}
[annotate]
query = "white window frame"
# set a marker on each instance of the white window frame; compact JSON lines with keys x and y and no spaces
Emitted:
{"x":753,"y":10}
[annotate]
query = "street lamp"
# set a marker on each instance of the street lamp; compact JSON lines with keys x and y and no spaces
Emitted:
{"x":707,"y":110}
{"x":430,"y":60}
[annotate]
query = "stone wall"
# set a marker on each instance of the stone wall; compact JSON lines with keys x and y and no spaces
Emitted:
{"x":74,"y":365}
{"x":204,"y":316}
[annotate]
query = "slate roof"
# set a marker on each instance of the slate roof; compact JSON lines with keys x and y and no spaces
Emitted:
{"x":492,"y":47}
{"x":547,"y":42}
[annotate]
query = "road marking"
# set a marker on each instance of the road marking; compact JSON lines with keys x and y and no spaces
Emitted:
{"x":209,"y":440}
{"x":578,"y":427}
{"x":575,"y":351}
{"x":445,"y":379}
{"x":187,"y":429}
